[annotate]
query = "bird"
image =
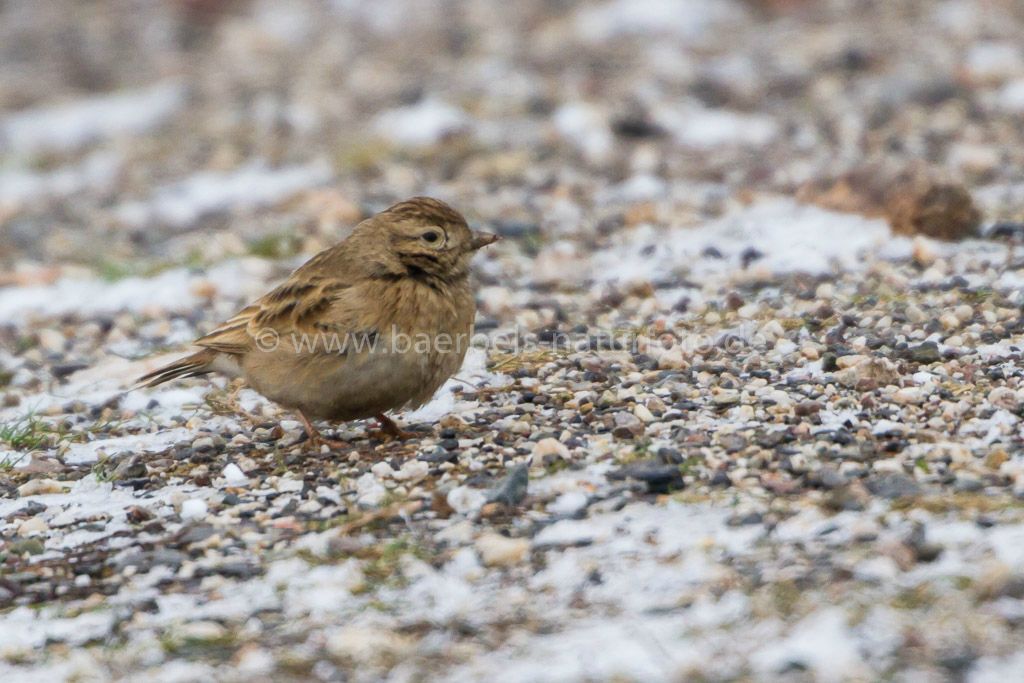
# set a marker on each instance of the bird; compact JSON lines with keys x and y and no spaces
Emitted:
{"x":373,"y":324}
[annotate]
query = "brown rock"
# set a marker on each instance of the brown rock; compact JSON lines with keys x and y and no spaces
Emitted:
{"x":941,"y":210}
{"x":805,"y":408}
{"x":914,"y":200}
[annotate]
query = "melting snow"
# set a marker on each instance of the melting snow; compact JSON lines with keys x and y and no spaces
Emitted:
{"x":791,"y":237}
{"x":474,"y":371}
{"x":171,"y":290}
{"x":97,"y":172}
{"x":586,"y":128}
{"x":422,"y":124}
{"x":706,"y":128}
{"x":822,"y":642}
{"x":252,"y":186}
{"x":136,"y":443}
{"x":682,"y":18}
{"x":69,"y":126}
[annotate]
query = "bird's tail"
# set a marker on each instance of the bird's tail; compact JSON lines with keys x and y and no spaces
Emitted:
{"x":198,"y":363}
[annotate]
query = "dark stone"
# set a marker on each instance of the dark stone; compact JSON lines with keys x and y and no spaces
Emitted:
{"x":670,"y":456}
{"x":31,"y":509}
{"x":922,"y":549}
{"x":62,"y":370}
{"x":637,"y":127}
{"x":925,"y":352}
{"x":145,"y":560}
{"x":720,"y":478}
{"x":776,"y":438}
{"x":893,"y":485}
{"x":747,"y":519}
{"x":733,"y":443}
{"x":511,"y":490}
{"x":829,"y":478}
{"x":658,"y":477}
{"x":130,"y":467}
{"x":137,"y":514}
{"x":805,"y":408}
{"x":195,"y":534}
{"x":842,"y":437}
{"x":828,"y":362}
{"x":623,"y":433}
{"x":238,"y":570}
{"x":1007,"y":230}
{"x":985,"y":522}
{"x":438,"y":455}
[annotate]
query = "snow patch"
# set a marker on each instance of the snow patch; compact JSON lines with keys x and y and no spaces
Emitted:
{"x":67,"y":127}
{"x":680,"y":18}
{"x":784,"y":236}
{"x":96,"y":172}
{"x":822,"y":642}
{"x":80,"y":453}
{"x":585,"y":127}
{"x":1011,"y":97}
{"x":252,"y":186}
{"x":172,"y":290}
{"x":422,"y":124}
{"x":474,"y":371}
{"x":708,"y":128}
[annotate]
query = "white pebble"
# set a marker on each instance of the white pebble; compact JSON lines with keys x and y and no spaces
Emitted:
{"x":234,"y":476}
{"x":369,"y":492}
{"x":412,"y":471}
{"x":568,"y":503}
{"x":499,"y":551}
{"x":193,"y":508}
{"x":546,"y":447}
{"x":466,"y":500}
{"x":35,"y":487}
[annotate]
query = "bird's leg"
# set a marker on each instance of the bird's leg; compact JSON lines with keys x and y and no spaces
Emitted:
{"x":233,"y":403}
{"x":226,"y":403}
{"x":316,"y":439}
{"x":388,"y":426}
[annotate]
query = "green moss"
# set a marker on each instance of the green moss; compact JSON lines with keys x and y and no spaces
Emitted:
{"x":917,"y":597}
{"x":689,"y":464}
{"x":30,"y":433}
{"x":383,"y":564}
{"x":113,"y":271}
{"x":276,"y":246}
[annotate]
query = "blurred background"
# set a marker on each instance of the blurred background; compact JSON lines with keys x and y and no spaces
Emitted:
{"x":141,"y":135}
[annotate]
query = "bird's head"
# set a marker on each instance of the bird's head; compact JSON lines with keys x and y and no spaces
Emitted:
{"x":429,"y":237}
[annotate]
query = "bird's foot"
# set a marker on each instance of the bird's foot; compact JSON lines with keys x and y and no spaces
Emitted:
{"x":389,"y":430}
{"x":318,"y":440}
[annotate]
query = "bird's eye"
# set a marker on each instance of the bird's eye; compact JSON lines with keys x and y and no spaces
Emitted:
{"x":431,"y":237}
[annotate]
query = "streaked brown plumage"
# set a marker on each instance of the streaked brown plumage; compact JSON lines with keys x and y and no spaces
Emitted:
{"x":337,"y":339}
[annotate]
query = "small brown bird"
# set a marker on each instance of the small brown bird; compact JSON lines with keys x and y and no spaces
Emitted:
{"x":375,"y":323}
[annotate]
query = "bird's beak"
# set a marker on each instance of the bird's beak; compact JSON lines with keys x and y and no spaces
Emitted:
{"x":482,"y":239}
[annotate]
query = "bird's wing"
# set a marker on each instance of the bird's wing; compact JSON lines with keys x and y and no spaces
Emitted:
{"x":307,"y":303}
{"x":231,"y":336}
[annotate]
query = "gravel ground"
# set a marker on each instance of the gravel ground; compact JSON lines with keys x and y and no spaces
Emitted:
{"x":734,"y":412}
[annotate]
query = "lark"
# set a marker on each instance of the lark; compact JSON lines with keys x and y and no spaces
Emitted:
{"x":376,"y":323}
